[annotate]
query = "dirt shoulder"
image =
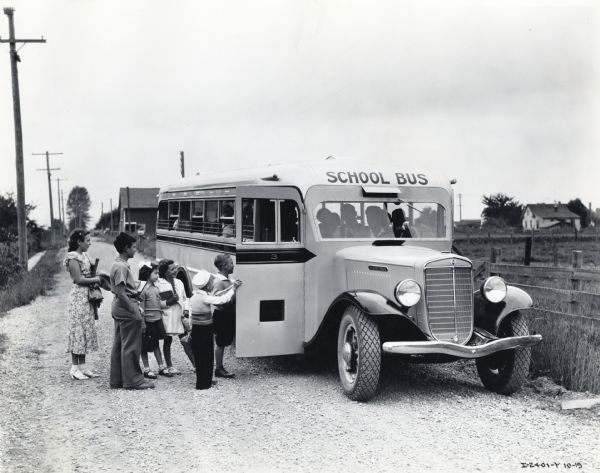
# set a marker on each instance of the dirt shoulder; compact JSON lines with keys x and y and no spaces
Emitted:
{"x":279,"y":414}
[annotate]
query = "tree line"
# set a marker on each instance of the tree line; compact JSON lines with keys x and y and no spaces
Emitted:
{"x":501,"y":210}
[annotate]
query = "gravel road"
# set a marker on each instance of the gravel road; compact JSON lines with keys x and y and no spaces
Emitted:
{"x":279,"y":414}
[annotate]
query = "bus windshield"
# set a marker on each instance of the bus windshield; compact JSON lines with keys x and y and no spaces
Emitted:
{"x":379,"y":220}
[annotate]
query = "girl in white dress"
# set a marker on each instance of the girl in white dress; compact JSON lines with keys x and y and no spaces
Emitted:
{"x":172,"y":291}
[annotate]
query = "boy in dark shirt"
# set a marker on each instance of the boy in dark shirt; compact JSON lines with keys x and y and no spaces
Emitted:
{"x":125,"y":371}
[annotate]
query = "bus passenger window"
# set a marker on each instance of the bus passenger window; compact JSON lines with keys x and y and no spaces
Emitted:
{"x":197,"y":216}
{"x":289,"y":217}
{"x":227,"y":218}
{"x":211,"y":217}
{"x":184,"y":215}
{"x":173,"y":215}
{"x":247,"y":219}
{"x":163,"y":215}
{"x":258,"y":220}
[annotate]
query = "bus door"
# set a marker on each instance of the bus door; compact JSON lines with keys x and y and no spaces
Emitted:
{"x":270,"y":257}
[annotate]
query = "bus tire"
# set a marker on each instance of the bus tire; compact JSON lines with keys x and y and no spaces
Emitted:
{"x":505,"y":372}
{"x":358,"y":354}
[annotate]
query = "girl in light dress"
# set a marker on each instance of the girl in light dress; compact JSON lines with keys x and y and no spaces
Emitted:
{"x":172,"y":292}
{"x":82,"y":337}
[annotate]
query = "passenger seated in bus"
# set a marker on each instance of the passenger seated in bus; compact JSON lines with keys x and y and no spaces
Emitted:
{"x":228,"y":230}
{"x":350,"y":226}
{"x":328,"y":222}
{"x":400,"y":225}
{"x":379,"y":222}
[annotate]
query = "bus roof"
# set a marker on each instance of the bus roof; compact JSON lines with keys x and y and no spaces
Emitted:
{"x":307,"y":174}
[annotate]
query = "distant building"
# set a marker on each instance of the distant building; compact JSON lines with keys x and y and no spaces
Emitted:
{"x":539,"y":216}
{"x":137,"y":209}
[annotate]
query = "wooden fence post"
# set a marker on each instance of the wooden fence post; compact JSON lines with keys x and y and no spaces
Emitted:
{"x":576,"y":263}
{"x":577,"y":259}
{"x":496,"y":255}
{"x":528,"y":241}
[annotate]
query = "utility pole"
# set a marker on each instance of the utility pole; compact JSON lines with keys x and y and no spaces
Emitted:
{"x":182,"y":164}
{"x":48,"y":169}
{"x":14,"y":58}
{"x":62,"y":204}
{"x":460,"y":207}
{"x":128,"y":221}
{"x":111,"y":216}
{"x":61,"y":214}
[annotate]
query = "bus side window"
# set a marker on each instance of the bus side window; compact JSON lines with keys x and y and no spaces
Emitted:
{"x":163,"y":215}
{"x":211,"y":217}
{"x":289,"y":218}
{"x":197,"y":216}
{"x":173,"y":214}
{"x":227,"y":218}
{"x":184,"y":215}
{"x":247,"y":219}
{"x":258,"y":220}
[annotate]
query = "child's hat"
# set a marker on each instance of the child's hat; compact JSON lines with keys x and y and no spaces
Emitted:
{"x":201,"y":278}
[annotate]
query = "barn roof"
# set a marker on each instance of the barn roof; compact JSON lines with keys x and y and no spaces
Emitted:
{"x":552,"y":211}
{"x":139,"y":197}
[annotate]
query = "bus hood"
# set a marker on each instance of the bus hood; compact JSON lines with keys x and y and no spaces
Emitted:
{"x":404,"y":255}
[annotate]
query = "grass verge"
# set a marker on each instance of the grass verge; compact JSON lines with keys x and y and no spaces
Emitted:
{"x":569,"y":352}
{"x":27,"y":286}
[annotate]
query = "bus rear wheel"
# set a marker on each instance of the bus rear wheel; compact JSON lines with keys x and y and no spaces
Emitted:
{"x":358,"y":354}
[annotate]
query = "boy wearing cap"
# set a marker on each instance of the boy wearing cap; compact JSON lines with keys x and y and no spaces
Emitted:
{"x":125,"y":371}
{"x":202,"y":324}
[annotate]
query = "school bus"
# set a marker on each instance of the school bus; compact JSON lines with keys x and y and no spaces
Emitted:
{"x":356,"y":257}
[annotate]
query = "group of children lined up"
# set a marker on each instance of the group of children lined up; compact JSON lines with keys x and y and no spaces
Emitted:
{"x":168,"y":312}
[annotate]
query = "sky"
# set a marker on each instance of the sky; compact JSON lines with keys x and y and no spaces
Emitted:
{"x":502,"y":96}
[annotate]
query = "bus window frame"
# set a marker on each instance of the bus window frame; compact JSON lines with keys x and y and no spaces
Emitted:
{"x":318,"y":194}
{"x":277,"y":194}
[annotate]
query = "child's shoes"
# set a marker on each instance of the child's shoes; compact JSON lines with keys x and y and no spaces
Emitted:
{"x":149,"y":374}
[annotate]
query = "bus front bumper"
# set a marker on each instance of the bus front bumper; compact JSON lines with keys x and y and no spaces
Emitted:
{"x":461,"y":351}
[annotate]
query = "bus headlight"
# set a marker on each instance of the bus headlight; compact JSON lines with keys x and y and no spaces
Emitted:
{"x":408,"y":292}
{"x":494,"y":289}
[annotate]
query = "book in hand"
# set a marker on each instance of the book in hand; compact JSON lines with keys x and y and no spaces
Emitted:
{"x":166,"y":295}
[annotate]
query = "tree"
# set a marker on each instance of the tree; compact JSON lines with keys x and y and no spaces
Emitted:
{"x":577,"y":207}
{"x":78,"y":208}
{"x":8,"y":218}
{"x":104,"y":220}
{"x":502,"y":209}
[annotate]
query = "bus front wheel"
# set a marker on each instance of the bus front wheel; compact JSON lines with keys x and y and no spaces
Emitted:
{"x":358,"y":354}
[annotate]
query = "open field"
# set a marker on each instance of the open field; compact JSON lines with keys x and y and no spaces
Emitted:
{"x":545,"y":250}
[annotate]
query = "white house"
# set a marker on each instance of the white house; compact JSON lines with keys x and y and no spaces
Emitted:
{"x":537,"y":216}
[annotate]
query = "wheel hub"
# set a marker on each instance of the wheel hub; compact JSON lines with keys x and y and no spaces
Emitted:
{"x":347,"y":355}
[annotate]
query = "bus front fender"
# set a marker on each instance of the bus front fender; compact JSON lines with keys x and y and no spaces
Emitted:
{"x":489,"y":316}
{"x":370,"y":302}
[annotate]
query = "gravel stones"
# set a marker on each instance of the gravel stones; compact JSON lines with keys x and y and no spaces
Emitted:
{"x":281,"y":414}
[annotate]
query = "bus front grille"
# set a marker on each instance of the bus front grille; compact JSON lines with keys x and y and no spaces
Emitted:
{"x":449,"y":299}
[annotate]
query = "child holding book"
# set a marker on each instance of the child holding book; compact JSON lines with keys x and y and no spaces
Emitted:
{"x":154,"y":330}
